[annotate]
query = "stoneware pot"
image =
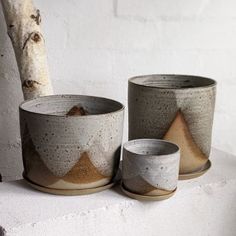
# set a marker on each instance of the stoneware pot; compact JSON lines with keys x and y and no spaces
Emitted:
{"x":178,"y":108}
{"x":150,"y":167}
{"x":71,"y":152}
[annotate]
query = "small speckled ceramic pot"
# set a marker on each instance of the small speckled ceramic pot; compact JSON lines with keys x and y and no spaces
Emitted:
{"x":71,"y":152}
{"x":178,"y":108}
{"x":150,"y":167}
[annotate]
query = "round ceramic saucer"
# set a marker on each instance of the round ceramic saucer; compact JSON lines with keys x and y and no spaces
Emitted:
{"x":71,"y":192}
{"x":145,"y":197}
{"x":202,"y":171}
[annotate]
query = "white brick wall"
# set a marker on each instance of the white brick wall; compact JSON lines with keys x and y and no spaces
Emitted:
{"x":94,"y":46}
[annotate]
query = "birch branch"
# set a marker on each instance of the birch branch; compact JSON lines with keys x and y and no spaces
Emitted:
{"x":23,"y":24}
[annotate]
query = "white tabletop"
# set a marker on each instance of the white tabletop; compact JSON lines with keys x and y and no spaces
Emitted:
{"x":201,"y":206}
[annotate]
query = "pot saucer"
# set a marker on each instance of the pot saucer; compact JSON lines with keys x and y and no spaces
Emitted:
{"x":196,"y":174}
{"x":145,"y":197}
{"x":71,"y":192}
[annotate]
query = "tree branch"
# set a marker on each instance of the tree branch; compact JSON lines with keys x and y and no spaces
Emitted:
{"x":23,"y":23}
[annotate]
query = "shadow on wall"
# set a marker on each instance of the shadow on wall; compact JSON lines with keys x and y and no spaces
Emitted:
{"x":10,"y":97}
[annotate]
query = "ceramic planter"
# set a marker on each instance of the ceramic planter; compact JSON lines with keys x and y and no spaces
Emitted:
{"x":150,"y":167}
{"x":178,"y":108}
{"x":71,"y":152}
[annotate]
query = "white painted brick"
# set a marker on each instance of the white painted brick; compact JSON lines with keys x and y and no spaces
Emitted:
{"x":174,"y":10}
{"x":111,"y":34}
{"x":11,"y":162}
{"x":224,"y":129}
{"x":224,"y":104}
{"x":156,"y":61}
{"x":10,"y":97}
{"x":76,"y":9}
{"x":218,"y":64}
{"x":212,"y":34}
{"x":204,"y":201}
{"x":85,"y":66}
{"x":80,"y":31}
{"x":135,"y":36}
{"x":217,"y":9}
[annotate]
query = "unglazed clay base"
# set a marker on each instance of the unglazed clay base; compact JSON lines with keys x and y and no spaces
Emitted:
{"x":196,"y":174}
{"x":71,"y":192}
{"x":145,"y":197}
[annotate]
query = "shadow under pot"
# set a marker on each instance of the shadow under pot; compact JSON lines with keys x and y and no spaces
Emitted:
{"x":71,"y":142}
{"x":177,"y":108}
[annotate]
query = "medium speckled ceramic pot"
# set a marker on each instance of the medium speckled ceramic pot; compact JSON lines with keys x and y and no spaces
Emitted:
{"x":178,"y":108}
{"x":150,"y":167}
{"x":71,"y":152}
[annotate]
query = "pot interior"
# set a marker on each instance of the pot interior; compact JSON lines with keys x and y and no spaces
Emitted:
{"x":151,"y":147}
{"x":59,"y":105}
{"x":172,"y":81}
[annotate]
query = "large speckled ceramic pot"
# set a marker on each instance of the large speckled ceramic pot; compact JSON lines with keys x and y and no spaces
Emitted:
{"x":178,"y":108}
{"x":150,"y":167}
{"x":71,"y":152}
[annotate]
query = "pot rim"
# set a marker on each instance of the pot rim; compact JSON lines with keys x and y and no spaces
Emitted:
{"x":122,"y":107}
{"x":212,"y":81}
{"x":131,"y":142}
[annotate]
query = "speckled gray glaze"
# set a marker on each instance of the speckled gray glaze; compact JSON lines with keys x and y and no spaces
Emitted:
{"x":150,"y":166}
{"x":71,"y":152}
{"x":178,"y":108}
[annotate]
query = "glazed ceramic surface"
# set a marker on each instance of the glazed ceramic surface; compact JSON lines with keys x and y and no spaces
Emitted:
{"x":150,"y":166}
{"x":177,"y":108}
{"x":71,"y":152}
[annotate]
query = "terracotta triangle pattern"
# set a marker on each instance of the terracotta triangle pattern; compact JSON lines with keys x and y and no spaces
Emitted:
{"x":83,"y":171}
{"x":35,"y":169}
{"x":179,"y":133}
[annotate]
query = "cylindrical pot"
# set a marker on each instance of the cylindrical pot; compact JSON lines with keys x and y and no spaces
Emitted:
{"x":71,"y":152}
{"x":150,"y":167}
{"x":178,"y":108}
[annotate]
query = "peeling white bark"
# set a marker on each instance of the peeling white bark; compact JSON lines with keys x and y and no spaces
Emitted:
{"x":23,"y":24}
